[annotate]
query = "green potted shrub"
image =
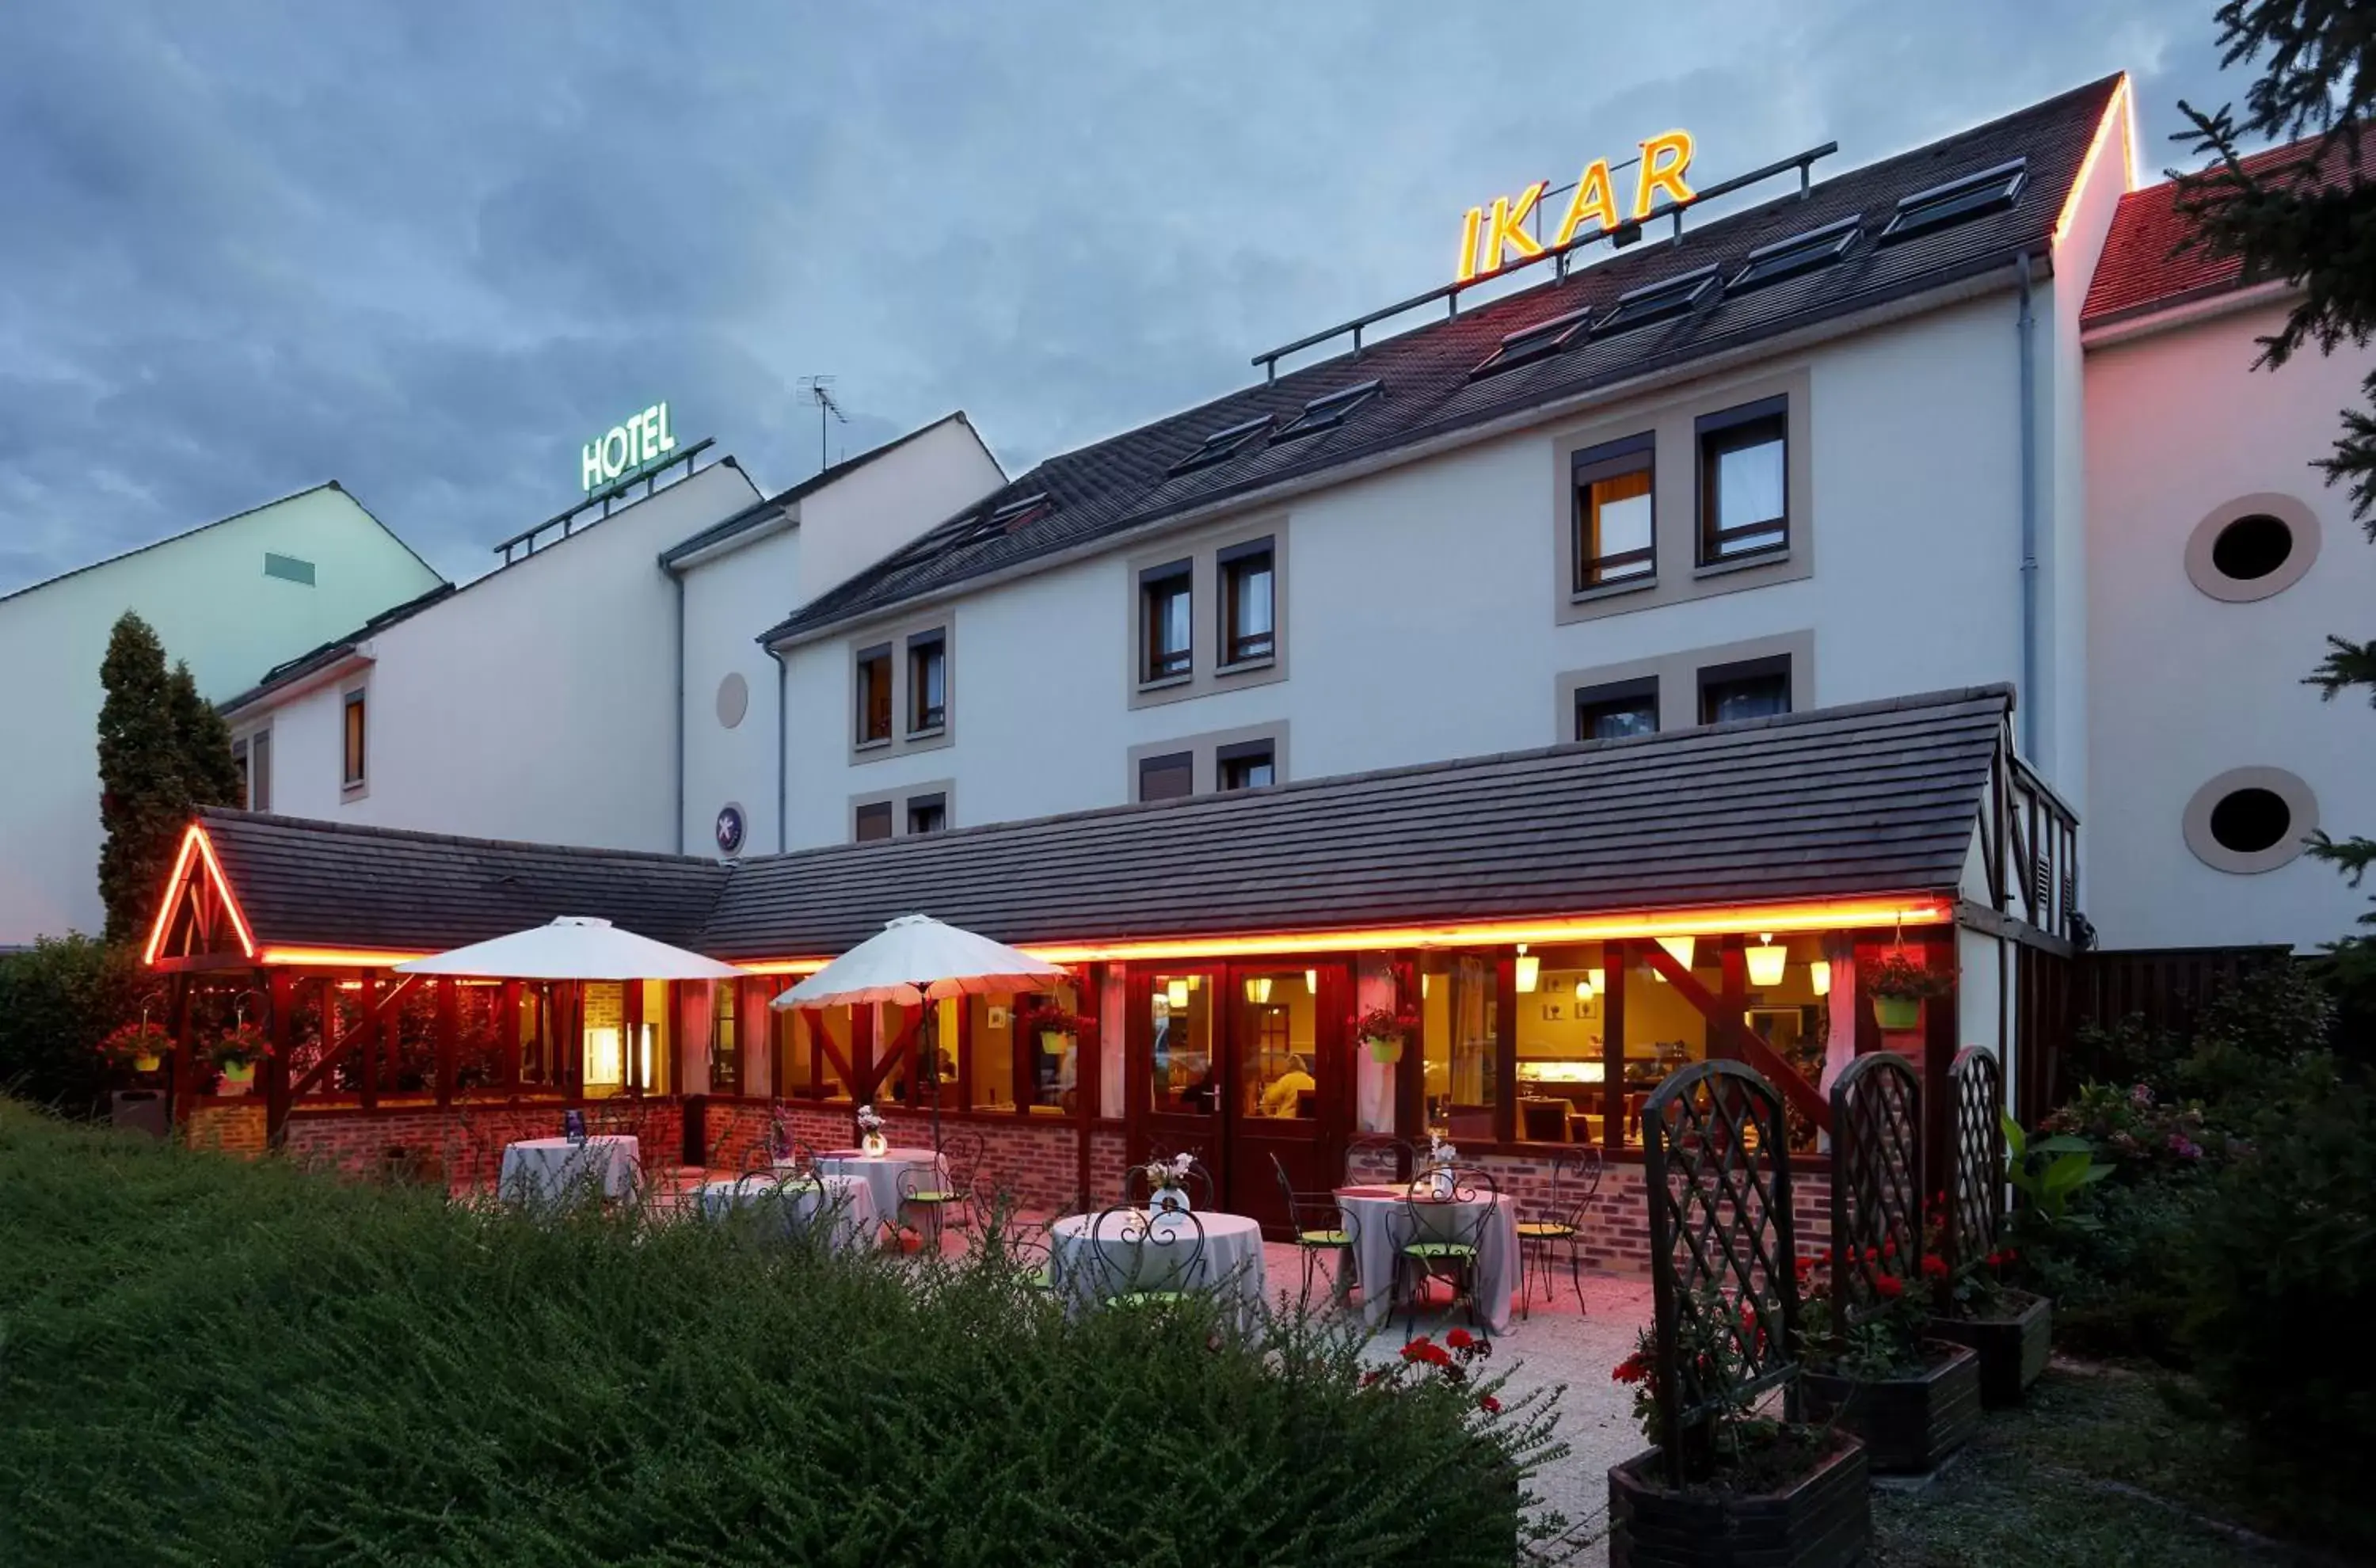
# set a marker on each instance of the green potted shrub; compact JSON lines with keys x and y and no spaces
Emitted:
{"x":140,"y":1045}
{"x":1899,"y":982}
{"x":1747,"y":1487}
{"x":1914,"y":1399}
{"x":1385,"y":1032}
{"x":235,"y":1053}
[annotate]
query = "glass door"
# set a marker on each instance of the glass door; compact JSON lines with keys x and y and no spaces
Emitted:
{"x":1182,"y":1071}
{"x":1286,"y":1084}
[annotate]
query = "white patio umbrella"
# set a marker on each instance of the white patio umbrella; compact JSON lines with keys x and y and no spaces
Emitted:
{"x":573,"y":947}
{"x":915,"y":959}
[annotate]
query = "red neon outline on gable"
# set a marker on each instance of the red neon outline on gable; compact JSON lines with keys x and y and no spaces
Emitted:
{"x":194,"y":841}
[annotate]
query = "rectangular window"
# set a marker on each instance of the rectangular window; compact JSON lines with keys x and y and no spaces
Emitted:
{"x":1252,"y":765}
{"x":726,"y":1048}
{"x":928,"y":688}
{"x":1247,"y":625}
{"x":352,"y":776}
{"x":1757,"y":688}
{"x":1166,"y":778}
{"x":288,"y":568}
{"x":1616,"y":536}
{"x":874,"y":695}
{"x":927,"y":814}
{"x":260,"y":771}
{"x":874,"y":822}
{"x":1459,"y":1044}
{"x":1164,"y":605}
{"x":1617,"y":710}
{"x":1184,"y":1079}
{"x":246,"y":779}
{"x":1744,"y":482}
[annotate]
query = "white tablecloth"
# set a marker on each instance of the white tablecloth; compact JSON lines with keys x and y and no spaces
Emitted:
{"x":543,"y":1170}
{"x":797,"y":1200}
{"x":880,"y":1172}
{"x":1231,"y":1260}
{"x":1383,"y":1222}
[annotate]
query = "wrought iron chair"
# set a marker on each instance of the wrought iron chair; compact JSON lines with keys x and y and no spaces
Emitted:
{"x":1320,"y":1227}
{"x":1136,"y":1259}
{"x":1373,"y":1144}
{"x":1444,"y":1238}
{"x":1558,"y":1221}
{"x":948,"y":1184}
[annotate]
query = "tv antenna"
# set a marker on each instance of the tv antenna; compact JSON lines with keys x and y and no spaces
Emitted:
{"x":817,"y":388}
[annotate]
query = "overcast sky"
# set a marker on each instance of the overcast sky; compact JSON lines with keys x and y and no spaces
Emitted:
{"x":428,"y":249}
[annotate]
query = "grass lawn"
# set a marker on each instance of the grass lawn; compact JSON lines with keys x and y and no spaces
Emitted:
{"x":2099,"y":1470}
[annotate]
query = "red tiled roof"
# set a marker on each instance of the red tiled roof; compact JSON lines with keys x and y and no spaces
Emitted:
{"x":2138,"y":272}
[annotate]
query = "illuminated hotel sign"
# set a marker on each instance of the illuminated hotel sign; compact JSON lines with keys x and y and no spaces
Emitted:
{"x":1492,"y":238}
{"x":628,"y":449}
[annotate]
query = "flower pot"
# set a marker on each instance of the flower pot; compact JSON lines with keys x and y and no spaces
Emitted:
{"x":1897,"y":1013}
{"x":874,"y":1145}
{"x":1054,"y":1042}
{"x":1438,"y":1184}
{"x":1823,"y":1520}
{"x":238,"y":1078}
{"x":1908,"y":1424}
{"x":1386,"y":1051}
{"x":1167,"y":1207}
{"x":2013,"y":1350}
{"x":147,"y":1062}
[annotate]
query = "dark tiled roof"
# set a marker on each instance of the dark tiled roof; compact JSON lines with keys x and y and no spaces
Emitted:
{"x":1125,"y":481}
{"x":330,"y":652}
{"x":2142,"y":269}
{"x":759,"y":512}
{"x":1880,"y":798}
{"x":323,"y":884}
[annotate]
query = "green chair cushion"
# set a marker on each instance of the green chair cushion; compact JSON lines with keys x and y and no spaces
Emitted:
{"x":1545,"y":1230}
{"x":1439,"y":1250}
{"x":932,"y":1198}
{"x":1043,"y":1280}
{"x":1324,"y":1238}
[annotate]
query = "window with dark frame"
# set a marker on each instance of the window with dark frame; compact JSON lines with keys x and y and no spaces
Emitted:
{"x":1991,"y":190}
{"x":927,"y":690}
{"x":1617,"y":710}
{"x":874,"y":695}
{"x":1616,"y":532}
{"x":1670,"y":296}
{"x":1249,"y":765}
{"x":726,"y":1045}
{"x":1756,"y":688}
{"x":874,"y":822}
{"x":1222,"y":444}
{"x":1744,"y":482}
{"x":1800,"y":253}
{"x":927,"y":814}
{"x":1529,"y":344}
{"x":1329,"y":412}
{"x":260,"y":771}
{"x":352,"y":777}
{"x":1166,"y":778}
{"x":1248,"y":613}
{"x":246,"y":784}
{"x":1165,"y":610}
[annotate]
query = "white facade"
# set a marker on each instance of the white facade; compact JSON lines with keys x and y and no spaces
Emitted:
{"x":213,"y":602}
{"x":2186,"y":688}
{"x":577,"y":695}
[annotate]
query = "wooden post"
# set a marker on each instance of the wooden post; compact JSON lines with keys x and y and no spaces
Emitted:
{"x":1088,"y":1071}
{"x":1505,"y":1049}
{"x":1938,"y":1032}
{"x":279,"y":1028}
{"x":449,"y":1038}
{"x":507,"y":1036}
{"x":1410,"y":1101}
{"x":630,"y":1036}
{"x":368,"y":1049}
{"x":179,"y":1089}
{"x":1615,"y":957}
{"x":1734,"y":996}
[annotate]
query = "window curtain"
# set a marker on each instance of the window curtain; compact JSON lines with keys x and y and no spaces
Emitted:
{"x":1373,"y":1081}
{"x":697,"y":1004}
{"x":1839,"y":1045}
{"x":1472,"y":1043}
{"x":1749,"y":484}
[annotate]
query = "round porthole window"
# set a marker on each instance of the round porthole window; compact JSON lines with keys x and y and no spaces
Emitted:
{"x":2249,"y":820}
{"x":733,"y":699}
{"x":2252,"y":547}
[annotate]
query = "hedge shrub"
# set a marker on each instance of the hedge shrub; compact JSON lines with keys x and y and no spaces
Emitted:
{"x":202,"y":1360}
{"x":57,"y":999}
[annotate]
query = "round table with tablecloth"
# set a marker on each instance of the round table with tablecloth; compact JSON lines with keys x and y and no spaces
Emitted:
{"x":1230,"y":1261}
{"x":880,"y":1172}
{"x":796,"y":1200}
{"x":550,"y":1171}
{"x":1383,"y":1218}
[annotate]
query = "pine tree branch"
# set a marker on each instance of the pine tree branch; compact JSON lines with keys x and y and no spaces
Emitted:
{"x":2347,"y":664}
{"x":2351,"y":856}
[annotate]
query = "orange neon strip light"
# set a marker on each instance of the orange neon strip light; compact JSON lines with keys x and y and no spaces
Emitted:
{"x":343,"y":958}
{"x":1786,"y":918}
{"x":2121,"y":112}
{"x":196,"y":843}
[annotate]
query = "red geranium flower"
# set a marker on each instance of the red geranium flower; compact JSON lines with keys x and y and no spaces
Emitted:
{"x":1889,"y":1246}
{"x":1460,"y":1339}
{"x":1889,"y":1284}
{"x":1633,"y":1369}
{"x":1934,"y":1266}
{"x":1490,"y":1405}
{"x":1418,"y":1348}
{"x":1372,"y":1375}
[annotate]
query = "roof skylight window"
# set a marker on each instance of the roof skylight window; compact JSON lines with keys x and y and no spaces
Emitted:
{"x":1221,"y":444}
{"x":1991,"y":190}
{"x":1670,"y":296}
{"x":1800,"y":253}
{"x":1003,"y":519}
{"x":1329,"y":412}
{"x":1530,"y":343}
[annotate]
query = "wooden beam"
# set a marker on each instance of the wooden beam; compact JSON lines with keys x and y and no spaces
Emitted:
{"x":1980,"y":918}
{"x":1614,"y":958}
{"x":1506,"y":1047}
{"x":376,"y":1004}
{"x":280,"y":1026}
{"x":449,"y":1038}
{"x":1745,"y":1045}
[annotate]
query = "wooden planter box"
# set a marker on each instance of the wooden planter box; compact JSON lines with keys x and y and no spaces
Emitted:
{"x":1908,"y":1424}
{"x":1822,"y":1522}
{"x":2013,"y":1350}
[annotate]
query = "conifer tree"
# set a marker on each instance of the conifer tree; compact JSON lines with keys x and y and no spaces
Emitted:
{"x":163,"y":750}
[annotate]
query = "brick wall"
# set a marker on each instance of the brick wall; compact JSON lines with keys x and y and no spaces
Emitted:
{"x":1037,"y":1160}
{"x":464,"y":1144}
{"x":230,"y":1126}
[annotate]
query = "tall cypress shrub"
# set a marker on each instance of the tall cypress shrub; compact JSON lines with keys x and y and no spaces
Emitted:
{"x":163,"y":750}
{"x":210,"y":773}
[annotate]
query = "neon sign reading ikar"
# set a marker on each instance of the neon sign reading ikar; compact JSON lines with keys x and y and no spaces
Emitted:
{"x":642,"y":440}
{"x":1492,"y":238}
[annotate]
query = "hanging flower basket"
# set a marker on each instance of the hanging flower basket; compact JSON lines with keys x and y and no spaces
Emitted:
{"x":1386,"y":1048}
{"x":234,"y":1054}
{"x":1385,"y":1032}
{"x":1898,"y":1013}
{"x":1899,"y":982}
{"x":140,"y":1045}
{"x":237,"y":1078}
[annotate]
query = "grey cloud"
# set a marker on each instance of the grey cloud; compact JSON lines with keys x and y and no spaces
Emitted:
{"x":429,"y":249}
